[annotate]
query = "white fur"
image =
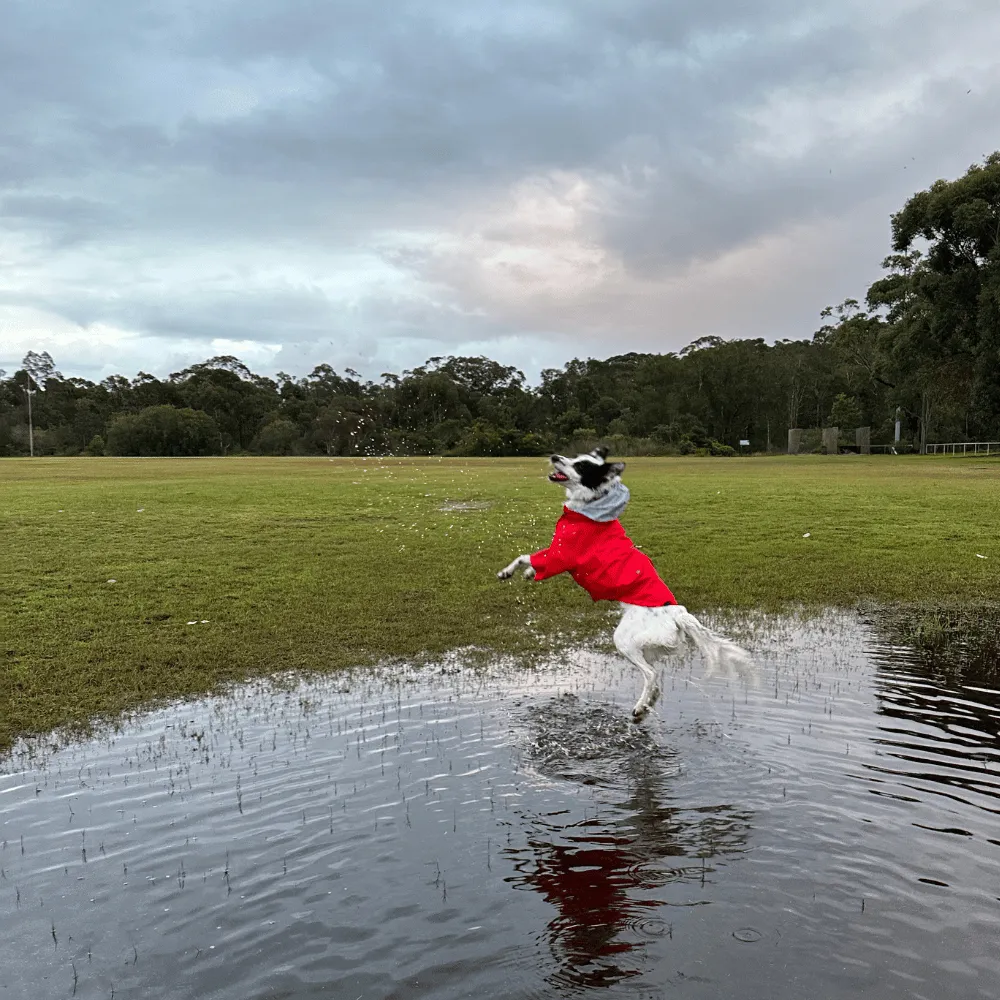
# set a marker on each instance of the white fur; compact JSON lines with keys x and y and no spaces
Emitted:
{"x":646,"y":634}
{"x":652,"y":634}
{"x":508,"y":571}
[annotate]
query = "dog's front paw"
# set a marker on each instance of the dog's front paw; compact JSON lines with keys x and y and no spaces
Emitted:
{"x":511,"y":568}
{"x":529,"y":573}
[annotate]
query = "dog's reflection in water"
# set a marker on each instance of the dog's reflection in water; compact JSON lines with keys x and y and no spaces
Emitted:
{"x":613,"y":876}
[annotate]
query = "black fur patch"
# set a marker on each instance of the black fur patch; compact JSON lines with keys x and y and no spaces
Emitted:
{"x":593,"y":475}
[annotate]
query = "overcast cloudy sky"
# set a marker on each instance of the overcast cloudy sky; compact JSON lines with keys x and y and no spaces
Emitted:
{"x":371,"y":183}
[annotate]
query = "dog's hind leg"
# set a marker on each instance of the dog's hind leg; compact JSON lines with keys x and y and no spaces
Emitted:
{"x":626,"y":642}
{"x":650,"y":689}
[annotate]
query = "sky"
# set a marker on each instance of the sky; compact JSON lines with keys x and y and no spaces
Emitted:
{"x":370,"y":184}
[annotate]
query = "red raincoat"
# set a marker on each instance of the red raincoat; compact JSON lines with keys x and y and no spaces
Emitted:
{"x":603,"y":560}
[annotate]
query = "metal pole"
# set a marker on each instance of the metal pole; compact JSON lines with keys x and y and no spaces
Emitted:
{"x":31,"y":429}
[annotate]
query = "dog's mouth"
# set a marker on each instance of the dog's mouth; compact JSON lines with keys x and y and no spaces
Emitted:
{"x":558,"y":477}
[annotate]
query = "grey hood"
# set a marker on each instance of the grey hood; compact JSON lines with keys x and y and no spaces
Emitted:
{"x":607,"y":507}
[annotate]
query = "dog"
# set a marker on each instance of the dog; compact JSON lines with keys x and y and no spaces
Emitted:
{"x":590,"y":544}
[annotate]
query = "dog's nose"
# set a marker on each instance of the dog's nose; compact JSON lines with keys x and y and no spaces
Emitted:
{"x":553,"y":458}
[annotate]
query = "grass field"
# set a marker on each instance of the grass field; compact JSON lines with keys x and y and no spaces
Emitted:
{"x":314,"y":564}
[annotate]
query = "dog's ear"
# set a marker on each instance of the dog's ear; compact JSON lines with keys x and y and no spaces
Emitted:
{"x":616,"y":468}
{"x":601,"y":453}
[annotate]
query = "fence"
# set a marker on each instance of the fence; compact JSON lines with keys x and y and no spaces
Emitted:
{"x":967,"y":448}
{"x":826,"y":439}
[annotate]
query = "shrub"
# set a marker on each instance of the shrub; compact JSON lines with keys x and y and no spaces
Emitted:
{"x":721,"y":450}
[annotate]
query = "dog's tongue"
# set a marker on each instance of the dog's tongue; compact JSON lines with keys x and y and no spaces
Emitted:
{"x":558,"y":477}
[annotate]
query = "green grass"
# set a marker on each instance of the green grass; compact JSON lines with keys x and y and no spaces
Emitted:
{"x":315,"y":564}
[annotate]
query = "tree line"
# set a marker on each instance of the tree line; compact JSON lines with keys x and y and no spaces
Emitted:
{"x":923,"y":348}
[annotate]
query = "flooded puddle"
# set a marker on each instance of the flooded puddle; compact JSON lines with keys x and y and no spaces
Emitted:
{"x":506,"y":832}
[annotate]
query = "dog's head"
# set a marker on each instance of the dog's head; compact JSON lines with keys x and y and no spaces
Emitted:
{"x":585,"y":477}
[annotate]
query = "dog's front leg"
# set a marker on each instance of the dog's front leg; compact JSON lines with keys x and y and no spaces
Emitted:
{"x":508,"y":571}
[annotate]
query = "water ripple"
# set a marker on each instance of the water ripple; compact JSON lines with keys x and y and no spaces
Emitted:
{"x":502,"y":831}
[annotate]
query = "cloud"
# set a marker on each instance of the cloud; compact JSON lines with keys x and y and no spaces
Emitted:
{"x":371,"y":183}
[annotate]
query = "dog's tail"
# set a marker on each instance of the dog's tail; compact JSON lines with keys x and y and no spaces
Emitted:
{"x":721,"y":655}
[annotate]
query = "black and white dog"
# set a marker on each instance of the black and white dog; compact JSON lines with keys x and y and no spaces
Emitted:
{"x":591,"y":545}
